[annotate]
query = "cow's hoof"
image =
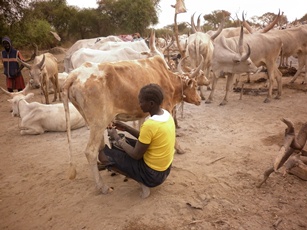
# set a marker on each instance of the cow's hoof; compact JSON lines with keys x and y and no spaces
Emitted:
{"x":267,"y":100}
{"x":106,"y":189}
{"x":223,"y":103}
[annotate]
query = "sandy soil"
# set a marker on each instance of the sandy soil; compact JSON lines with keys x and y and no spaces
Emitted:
{"x":211,"y":186}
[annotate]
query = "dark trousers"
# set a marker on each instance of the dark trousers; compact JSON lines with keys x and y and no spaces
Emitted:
{"x":134,"y":169}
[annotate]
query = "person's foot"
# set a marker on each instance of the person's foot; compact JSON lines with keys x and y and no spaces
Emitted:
{"x":145,"y":191}
{"x":101,"y":166}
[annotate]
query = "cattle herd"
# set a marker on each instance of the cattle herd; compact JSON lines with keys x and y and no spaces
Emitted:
{"x":103,"y":76}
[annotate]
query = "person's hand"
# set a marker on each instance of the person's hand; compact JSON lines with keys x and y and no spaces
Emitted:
{"x":113,"y":134}
{"x":119,"y":125}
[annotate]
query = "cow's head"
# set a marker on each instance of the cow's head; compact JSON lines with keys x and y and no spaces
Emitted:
{"x":36,"y":70}
{"x":190,"y":90}
{"x":230,"y":57}
{"x":197,"y":73}
{"x":15,"y":102}
{"x":190,"y":83}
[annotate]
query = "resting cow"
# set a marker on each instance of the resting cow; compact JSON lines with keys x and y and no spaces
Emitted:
{"x":107,"y":91}
{"x":37,"y":118}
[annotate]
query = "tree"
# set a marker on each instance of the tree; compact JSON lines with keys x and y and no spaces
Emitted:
{"x":214,"y":19}
{"x":130,"y":16}
{"x":88,"y":23}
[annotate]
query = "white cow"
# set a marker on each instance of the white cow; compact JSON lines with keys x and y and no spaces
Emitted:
{"x":200,"y":44}
{"x":37,"y":118}
{"x":119,"y":52}
{"x":93,"y":43}
{"x":101,"y":56}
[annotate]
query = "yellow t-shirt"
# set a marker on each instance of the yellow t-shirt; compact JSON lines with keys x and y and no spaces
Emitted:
{"x":159,"y":132}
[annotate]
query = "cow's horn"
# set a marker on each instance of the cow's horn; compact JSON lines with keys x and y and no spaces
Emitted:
{"x":219,"y":30}
{"x":179,"y":69}
{"x":24,"y":63}
{"x":241,"y":41}
{"x":195,"y":73}
{"x":246,"y":25}
{"x":246,"y":56}
{"x":198,"y":24}
{"x":193,"y":27}
{"x":5,"y":91}
{"x":40,"y":65}
{"x":272,"y":24}
{"x":152,"y":41}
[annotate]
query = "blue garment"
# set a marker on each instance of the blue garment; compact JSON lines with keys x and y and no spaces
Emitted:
{"x":9,"y":59}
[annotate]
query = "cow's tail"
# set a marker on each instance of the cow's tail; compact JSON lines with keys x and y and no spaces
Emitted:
{"x":65,"y":94}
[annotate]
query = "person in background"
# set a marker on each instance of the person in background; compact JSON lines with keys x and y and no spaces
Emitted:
{"x":12,"y":69}
{"x":137,"y":37}
{"x":148,"y":158}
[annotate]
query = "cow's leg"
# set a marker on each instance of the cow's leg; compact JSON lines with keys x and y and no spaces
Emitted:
{"x":229,"y":84}
{"x":55,"y":96}
{"x":214,"y":82}
{"x":58,"y":87}
{"x":278,"y":76}
{"x":44,"y":88}
{"x":202,"y":94}
{"x":301,"y":62}
{"x":29,"y":125}
{"x":91,"y":152}
{"x":31,"y":130}
{"x":271,"y":70}
{"x":305,"y":78}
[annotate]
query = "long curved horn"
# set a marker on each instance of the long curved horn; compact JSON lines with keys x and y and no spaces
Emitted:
{"x":179,"y":69}
{"x":152,"y":41}
{"x":272,"y":24}
{"x":24,"y":63}
{"x":195,"y":73}
{"x":246,"y":56}
{"x":246,"y":25}
{"x":5,"y":91}
{"x":24,"y":91}
{"x":40,"y":65}
{"x":193,"y":27}
{"x":198,"y":24}
{"x":241,"y":41}
{"x":219,"y":30}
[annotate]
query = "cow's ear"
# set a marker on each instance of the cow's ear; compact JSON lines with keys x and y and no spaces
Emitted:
{"x":189,"y":83}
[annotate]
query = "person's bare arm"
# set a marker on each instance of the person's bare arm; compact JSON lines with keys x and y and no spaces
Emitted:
{"x":136,"y":152}
{"x":124,"y":127}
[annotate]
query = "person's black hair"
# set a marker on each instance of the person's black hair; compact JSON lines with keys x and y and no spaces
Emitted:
{"x":152,"y":92}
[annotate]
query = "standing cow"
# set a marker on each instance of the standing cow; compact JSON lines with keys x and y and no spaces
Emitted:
{"x":106,"y":91}
{"x":43,"y":70}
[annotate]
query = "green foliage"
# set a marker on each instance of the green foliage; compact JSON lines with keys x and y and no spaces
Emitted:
{"x":38,"y":31}
{"x":27,"y":21}
{"x":130,"y":16}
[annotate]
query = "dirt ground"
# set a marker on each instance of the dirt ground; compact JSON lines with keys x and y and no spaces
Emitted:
{"x":211,"y":186}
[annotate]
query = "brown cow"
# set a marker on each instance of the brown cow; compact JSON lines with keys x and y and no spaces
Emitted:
{"x":107,"y":91}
